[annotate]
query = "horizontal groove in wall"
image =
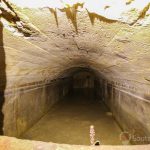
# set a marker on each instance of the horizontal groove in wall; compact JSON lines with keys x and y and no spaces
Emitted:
{"x":133,"y":95}
{"x":32,"y":86}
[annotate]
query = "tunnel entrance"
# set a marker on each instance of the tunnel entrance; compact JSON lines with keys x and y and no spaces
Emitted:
{"x":70,"y":119}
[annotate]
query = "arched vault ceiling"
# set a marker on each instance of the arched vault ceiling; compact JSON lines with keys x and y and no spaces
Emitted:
{"x":111,"y":37}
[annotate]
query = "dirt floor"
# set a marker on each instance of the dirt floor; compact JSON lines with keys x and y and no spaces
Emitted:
{"x":69,"y":122}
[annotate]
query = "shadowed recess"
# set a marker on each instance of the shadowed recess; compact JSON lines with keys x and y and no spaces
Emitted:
{"x":2,"y":78}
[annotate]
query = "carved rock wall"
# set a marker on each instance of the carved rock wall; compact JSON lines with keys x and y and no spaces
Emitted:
{"x":39,"y":45}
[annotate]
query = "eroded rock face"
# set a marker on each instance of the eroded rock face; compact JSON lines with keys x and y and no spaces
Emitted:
{"x":39,"y":44}
{"x":16,"y":144}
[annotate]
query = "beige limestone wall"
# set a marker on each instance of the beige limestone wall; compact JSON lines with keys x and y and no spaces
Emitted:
{"x":24,"y":107}
{"x":35,"y":48}
{"x":130,"y":111}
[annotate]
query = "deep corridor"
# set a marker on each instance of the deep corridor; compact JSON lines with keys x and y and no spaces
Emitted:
{"x":67,"y":66}
{"x":69,"y":120}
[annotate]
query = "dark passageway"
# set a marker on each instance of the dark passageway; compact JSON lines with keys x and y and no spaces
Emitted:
{"x":69,"y":120}
{"x":67,"y":65}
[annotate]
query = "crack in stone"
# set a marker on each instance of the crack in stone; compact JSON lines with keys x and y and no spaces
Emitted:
{"x":142,"y":14}
{"x":94,"y":16}
{"x":9,"y":15}
{"x":54,"y":12}
{"x":108,"y":67}
{"x":147,"y":79}
{"x":71,"y":13}
{"x":12,"y":17}
{"x":129,"y":2}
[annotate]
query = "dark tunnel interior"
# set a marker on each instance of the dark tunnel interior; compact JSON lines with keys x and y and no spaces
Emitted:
{"x":74,"y":74}
{"x":80,"y":106}
{"x":83,"y":83}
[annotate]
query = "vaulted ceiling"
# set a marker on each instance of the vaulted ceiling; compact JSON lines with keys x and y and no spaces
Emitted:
{"x":111,"y":37}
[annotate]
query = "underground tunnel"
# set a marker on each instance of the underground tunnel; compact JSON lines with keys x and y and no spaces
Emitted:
{"x":79,"y":106}
{"x":74,"y":73}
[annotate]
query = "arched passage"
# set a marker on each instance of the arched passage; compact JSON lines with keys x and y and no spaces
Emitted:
{"x":74,"y":89}
{"x":79,"y":106}
{"x":37,"y":50}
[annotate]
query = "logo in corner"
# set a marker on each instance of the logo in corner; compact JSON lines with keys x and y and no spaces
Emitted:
{"x":125,"y":138}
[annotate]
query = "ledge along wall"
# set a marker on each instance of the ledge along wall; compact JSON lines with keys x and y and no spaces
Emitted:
{"x":129,"y":108}
{"x":29,"y":104}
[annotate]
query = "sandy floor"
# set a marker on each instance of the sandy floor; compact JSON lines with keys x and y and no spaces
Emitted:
{"x":69,"y":122}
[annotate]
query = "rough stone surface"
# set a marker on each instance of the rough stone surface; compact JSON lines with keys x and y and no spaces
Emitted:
{"x":7,"y":143}
{"x":38,"y":49}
